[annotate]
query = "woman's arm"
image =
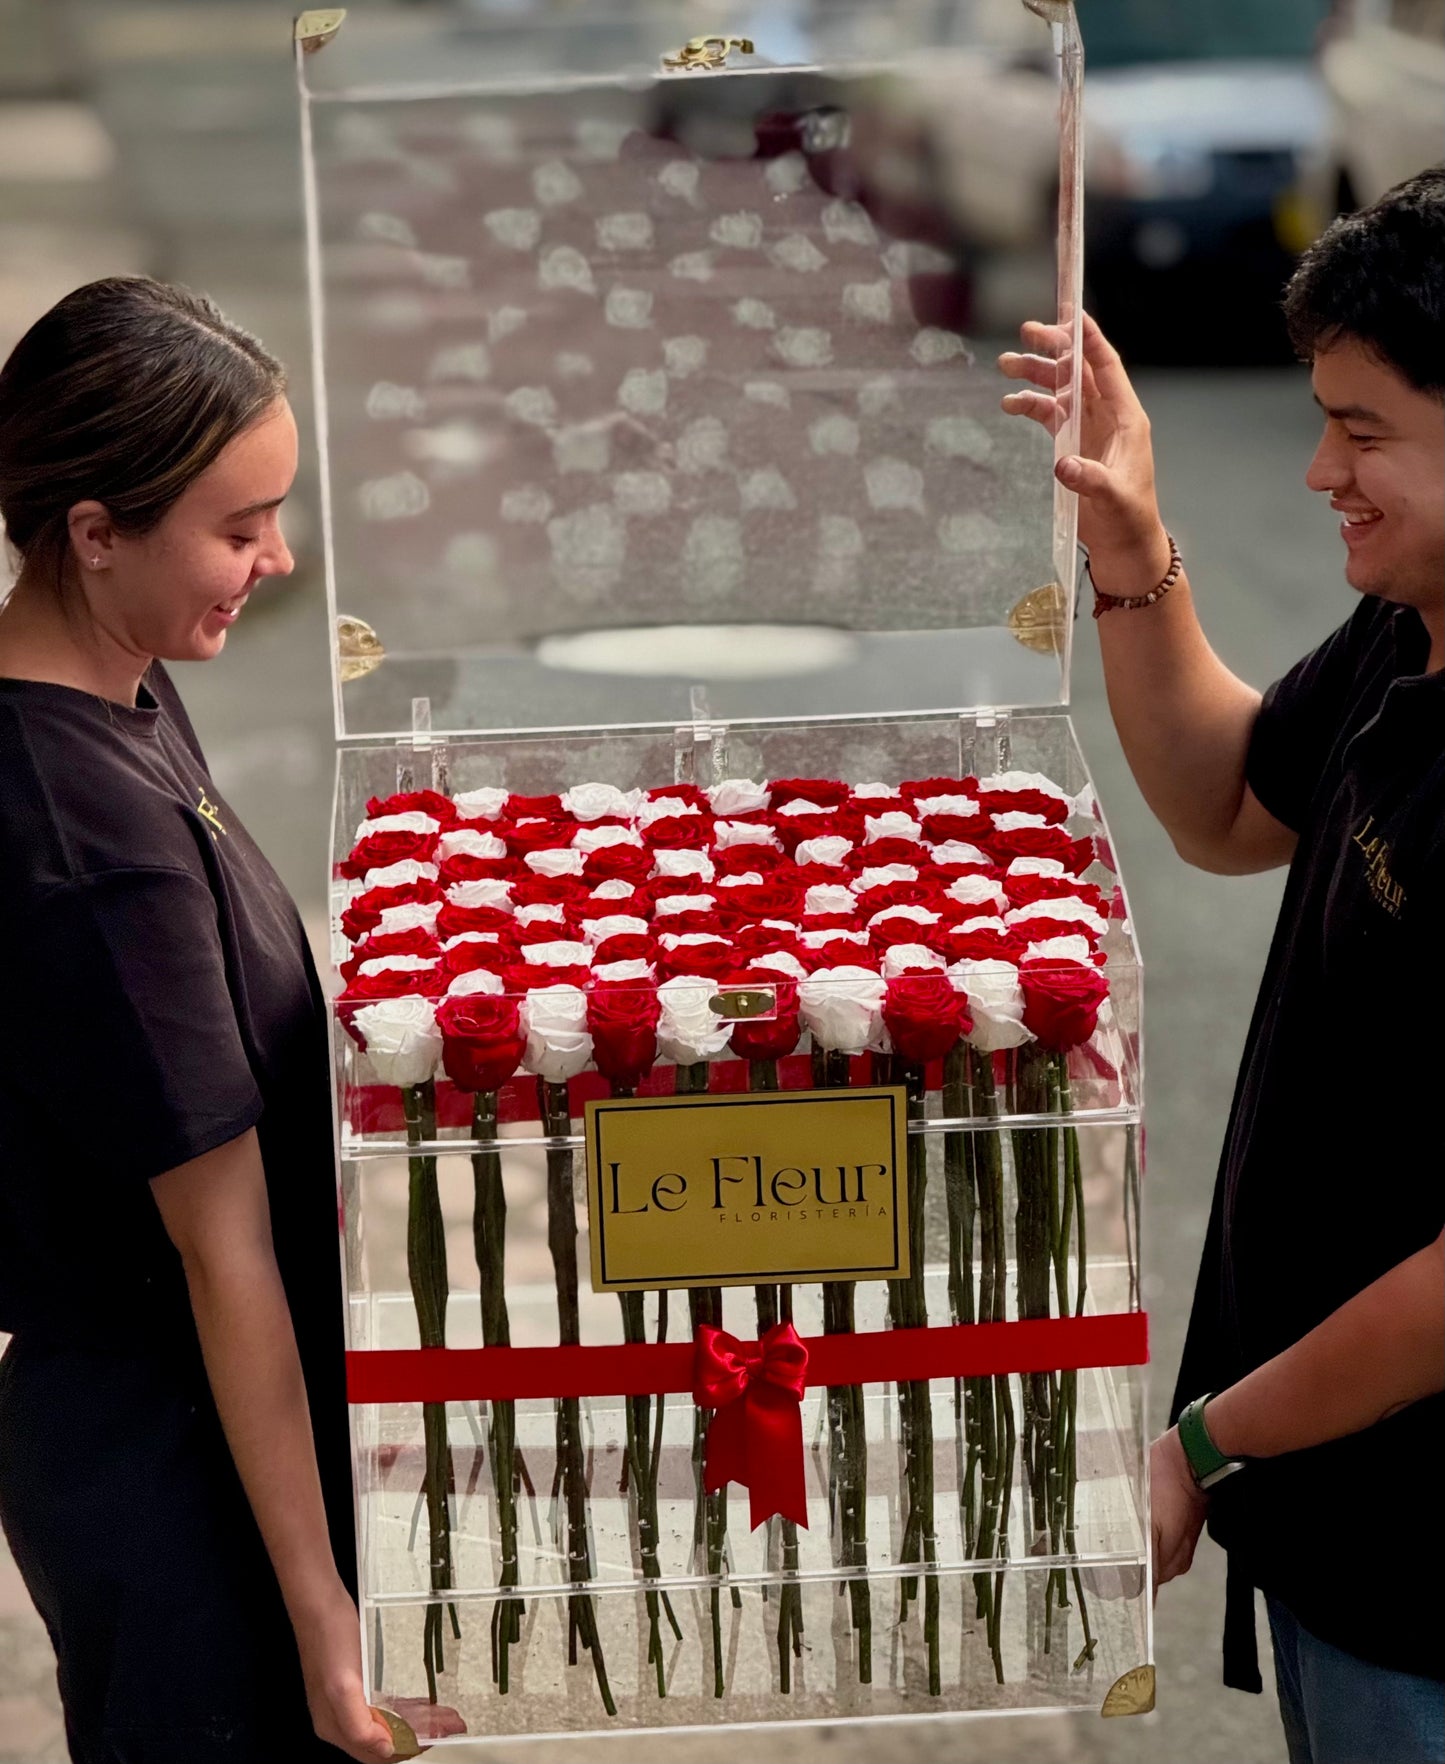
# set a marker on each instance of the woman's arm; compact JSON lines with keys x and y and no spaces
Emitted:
{"x":1184,"y":719}
{"x":215,"y":1211}
{"x":1378,"y":1353}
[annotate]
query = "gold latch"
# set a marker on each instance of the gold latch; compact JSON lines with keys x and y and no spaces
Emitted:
{"x":1133,"y":1694}
{"x":1038,"y":619}
{"x":705,"y":54}
{"x":735,"y":1004}
{"x":315,"y":29}
{"x":359,"y":650}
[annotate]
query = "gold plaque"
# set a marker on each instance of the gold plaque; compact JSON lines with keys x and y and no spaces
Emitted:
{"x":1038,"y":619}
{"x":316,"y":28}
{"x":736,"y":1190}
{"x":1133,"y":1694}
{"x":404,"y":1742}
{"x":359,"y":650}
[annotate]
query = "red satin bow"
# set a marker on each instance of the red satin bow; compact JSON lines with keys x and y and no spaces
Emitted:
{"x":756,"y":1435}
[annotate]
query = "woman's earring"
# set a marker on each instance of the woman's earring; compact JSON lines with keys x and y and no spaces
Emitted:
{"x":95,"y":563}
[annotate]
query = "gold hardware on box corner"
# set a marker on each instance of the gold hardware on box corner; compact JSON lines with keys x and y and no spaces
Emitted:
{"x":404,"y":1743}
{"x":1038,"y":619}
{"x":315,"y":29}
{"x":359,"y":651}
{"x":1133,"y":1694}
{"x":706,"y":53}
{"x":734,"y":1005}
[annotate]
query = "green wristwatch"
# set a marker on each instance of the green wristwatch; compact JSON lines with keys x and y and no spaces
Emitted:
{"x":1207,"y":1463}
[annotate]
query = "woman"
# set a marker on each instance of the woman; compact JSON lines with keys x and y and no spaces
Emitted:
{"x":174,"y":1480}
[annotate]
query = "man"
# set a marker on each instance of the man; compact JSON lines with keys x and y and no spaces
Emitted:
{"x":1309,"y":1415}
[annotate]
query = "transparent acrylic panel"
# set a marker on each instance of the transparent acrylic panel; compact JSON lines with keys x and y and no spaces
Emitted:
{"x":1033,"y":1527}
{"x":635,"y":380}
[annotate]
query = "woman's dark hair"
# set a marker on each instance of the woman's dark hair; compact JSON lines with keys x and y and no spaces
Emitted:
{"x":1379,"y":276}
{"x":124,"y":392}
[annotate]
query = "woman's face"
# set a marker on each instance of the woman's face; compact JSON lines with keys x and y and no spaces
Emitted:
{"x":176,"y":591}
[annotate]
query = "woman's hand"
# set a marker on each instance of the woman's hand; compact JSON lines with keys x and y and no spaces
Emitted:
{"x":329,"y":1641}
{"x":1113,"y":472}
{"x":1178,"y":1505}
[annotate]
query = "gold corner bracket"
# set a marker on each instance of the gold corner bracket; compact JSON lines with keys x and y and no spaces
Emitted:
{"x":359,"y":651}
{"x":316,"y":28}
{"x":1038,"y":619}
{"x":1133,"y":1694}
{"x":404,"y":1743}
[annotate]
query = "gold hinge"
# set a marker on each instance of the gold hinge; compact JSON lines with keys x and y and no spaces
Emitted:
{"x":1038,"y":619}
{"x":740,"y":1004}
{"x":704,"y":54}
{"x":1133,"y":1694}
{"x":359,"y":651}
{"x":315,"y":29}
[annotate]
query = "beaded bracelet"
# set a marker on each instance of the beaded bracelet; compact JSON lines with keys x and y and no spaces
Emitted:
{"x":1108,"y":602}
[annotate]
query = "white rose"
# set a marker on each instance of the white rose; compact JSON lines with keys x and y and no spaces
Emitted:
{"x":595,"y":838}
{"x":683,"y":863}
{"x":664,"y":808}
{"x":863,"y":792}
{"x":489,"y":891}
{"x":882,"y":874}
{"x":465,"y":841}
{"x":472,"y":937}
{"x":411,"y":822}
{"x":829,"y":897}
{"x":556,"y":862}
{"x":1027,"y":866}
{"x":554,"y":1020}
{"x":829,"y":851}
{"x":401,"y":875}
{"x":671,"y":940}
{"x":672,"y":904}
{"x":778,"y":924}
{"x":1061,"y":949}
{"x":780,"y":962}
{"x":688,"y":1029}
{"x":481,"y":805}
{"x":1011,"y":822}
{"x":613,"y":925}
{"x":1024,"y":781}
{"x":477,"y":980}
{"x":623,"y":971}
{"x":843,"y":1008}
{"x":957,"y":851}
{"x":1066,"y":909}
{"x":543,"y":913}
{"x":801,"y":806}
{"x":983,"y":922}
{"x":977,"y":891}
{"x":844,"y":939}
{"x":415,"y":916}
{"x":748,"y":879}
{"x":397,"y":964}
{"x":729,"y":833}
{"x":946,"y":805}
{"x":995,"y":1002}
{"x":917,"y":914}
{"x":738,"y":796}
{"x":402,"y":1040}
{"x":893,"y":825}
{"x":614,"y":890}
{"x":561,"y":954}
{"x":903,"y":956}
{"x":589,"y":802}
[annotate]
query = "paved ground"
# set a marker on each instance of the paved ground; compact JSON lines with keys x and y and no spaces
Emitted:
{"x":197,"y":98}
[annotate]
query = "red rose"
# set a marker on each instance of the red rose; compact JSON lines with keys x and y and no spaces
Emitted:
{"x":892,"y":894}
{"x":530,"y":890}
{"x":453,"y":920}
{"x":881,"y":805}
{"x":900,"y":929}
{"x":826,"y":792}
{"x":482,"y":1039}
{"x":761,"y":900}
{"x":712,"y":960}
{"x":528,"y":976}
{"x":414,"y":942}
{"x":627,"y":946}
{"x":829,"y":922}
{"x":806,"y":876}
{"x":888,"y":851}
{"x":924,"y":1016}
{"x":688,"y":793}
{"x":522,"y":807}
{"x":737,"y":860}
{"x":622,"y":1017}
{"x":380,"y":850}
{"x":938,"y":829}
{"x":1061,"y":1001}
{"x":526,"y":834}
{"x":1037,"y":929}
{"x":975,"y":943}
{"x":1040,"y":842}
{"x":364,"y":913}
{"x":679,"y":833}
{"x":618,"y":863}
{"x":756,"y":1038}
{"x":1024,"y":802}
{"x":393,"y":983}
{"x":943,"y":874}
{"x":414,"y":802}
{"x":669,"y":887}
{"x":913,"y":788}
{"x":705,"y":920}
{"x":465,"y":958}
{"x":752,"y":941}
{"x":464,"y":867}
{"x":543,"y":931}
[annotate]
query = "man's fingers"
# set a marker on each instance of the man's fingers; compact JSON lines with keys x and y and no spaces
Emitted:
{"x":1039,"y":369}
{"x":1037,"y":405}
{"x":1087,"y":478}
{"x":1102,"y":357}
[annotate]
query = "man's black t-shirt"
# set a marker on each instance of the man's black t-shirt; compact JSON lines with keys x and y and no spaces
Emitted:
{"x":1332,"y":1172}
{"x":161,"y":1000}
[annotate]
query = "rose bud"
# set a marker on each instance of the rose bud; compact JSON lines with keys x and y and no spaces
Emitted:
{"x":424,"y":802}
{"x":842,"y":1008}
{"x":925,"y":1016}
{"x":1026,"y":793}
{"x":622,"y":1021}
{"x":482,"y":1039}
{"x":485,"y":804}
{"x":1061,"y":1001}
{"x":553,"y":1018}
{"x":400,"y":1038}
{"x":996,"y":1002}
{"x":913,"y":788}
{"x":689,"y":1030}
{"x":827,"y":793}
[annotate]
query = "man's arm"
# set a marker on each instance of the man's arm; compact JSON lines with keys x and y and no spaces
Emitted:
{"x":215,"y":1211}
{"x":1378,"y":1353}
{"x":1184,"y":720}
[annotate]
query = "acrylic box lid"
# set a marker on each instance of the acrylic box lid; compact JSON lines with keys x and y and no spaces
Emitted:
{"x":656,"y":373}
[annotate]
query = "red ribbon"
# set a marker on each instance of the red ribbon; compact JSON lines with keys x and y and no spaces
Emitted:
{"x":755,"y":1437}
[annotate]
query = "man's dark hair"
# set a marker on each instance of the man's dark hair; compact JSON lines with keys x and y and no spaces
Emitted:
{"x":1379,"y":276}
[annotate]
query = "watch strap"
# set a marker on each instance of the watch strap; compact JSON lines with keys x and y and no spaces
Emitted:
{"x":1207,"y":1463}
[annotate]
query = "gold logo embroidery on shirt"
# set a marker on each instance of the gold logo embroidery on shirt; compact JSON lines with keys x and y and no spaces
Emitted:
{"x":209,"y":813}
{"x":1387,"y":891}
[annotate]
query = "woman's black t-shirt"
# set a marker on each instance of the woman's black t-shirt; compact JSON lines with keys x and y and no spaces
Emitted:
{"x":160,"y":1000}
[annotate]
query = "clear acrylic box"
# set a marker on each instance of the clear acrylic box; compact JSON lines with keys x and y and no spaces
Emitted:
{"x":661,"y":446}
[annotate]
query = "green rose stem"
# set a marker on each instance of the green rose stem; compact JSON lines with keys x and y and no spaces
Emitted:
{"x":996,"y":1412}
{"x":556,"y":1115}
{"x":848,"y":1433}
{"x":426,"y":1265}
{"x":489,"y":1239}
{"x":1074,"y":1202}
{"x":774,"y":1305}
{"x":960,"y":1174}
{"x":1035,"y":1253}
{"x":909,"y":1305}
